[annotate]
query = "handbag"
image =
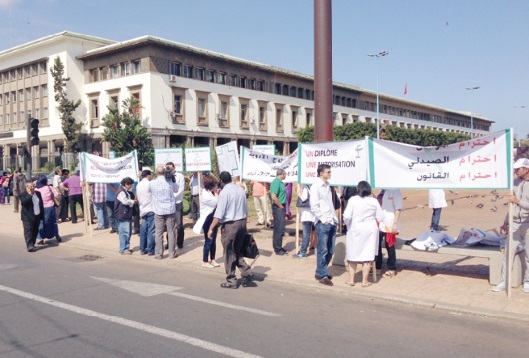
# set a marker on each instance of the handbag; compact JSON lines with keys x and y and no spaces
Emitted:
{"x":251,"y":251}
{"x":303,"y":204}
{"x":56,"y":202}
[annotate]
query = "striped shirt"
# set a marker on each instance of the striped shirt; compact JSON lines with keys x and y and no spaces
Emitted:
{"x":162,"y":191}
{"x":99,"y":192}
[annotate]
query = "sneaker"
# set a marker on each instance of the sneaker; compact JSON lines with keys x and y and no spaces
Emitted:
{"x":300,"y":255}
{"x":500,"y":287}
{"x":207,"y":265}
{"x":526,"y":287}
{"x":215,"y":263}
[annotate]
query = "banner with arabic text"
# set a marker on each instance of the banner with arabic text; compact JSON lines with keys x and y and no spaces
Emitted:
{"x":347,"y":160}
{"x":96,"y":169}
{"x":262,"y":167}
{"x":479,"y":163}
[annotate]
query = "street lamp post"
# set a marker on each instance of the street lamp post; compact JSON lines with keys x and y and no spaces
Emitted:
{"x":377,"y":56}
{"x":471,"y":114}
{"x":519,"y":130}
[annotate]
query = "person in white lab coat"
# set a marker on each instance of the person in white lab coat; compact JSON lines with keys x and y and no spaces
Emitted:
{"x":208,"y":204}
{"x":361,"y":216}
{"x":436,"y":201}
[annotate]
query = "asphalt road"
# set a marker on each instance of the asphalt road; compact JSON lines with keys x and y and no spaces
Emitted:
{"x":53,"y":304}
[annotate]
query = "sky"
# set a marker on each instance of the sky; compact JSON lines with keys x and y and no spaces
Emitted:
{"x":437,"y":48}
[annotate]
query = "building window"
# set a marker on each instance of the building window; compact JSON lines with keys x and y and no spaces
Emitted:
{"x":294,"y":120}
{"x":37,"y":113}
{"x":14,"y":75}
{"x":188,"y":71}
{"x":224,"y":113}
{"x":28,"y":93}
{"x":114,"y":100}
{"x":15,"y":117}
{"x":176,"y":69}
{"x":44,"y":90}
{"x":260,"y":86}
{"x":222,"y":78}
{"x":45,"y":112}
{"x":212,"y":75}
{"x":292,"y":91}
{"x":243,"y":82}
{"x":277,"y":88}
{"x":300,"y":92}
{"x":35,"y":68}
{"x":279,"y":119}
{"x":36,"y":91}
{"x":201,"y":111}
{"x":253,"y":84}
{"x":94,"y":109}
{"x":262,"y":118}
{"x":178,"y":110}
{"x":94,"y":74}
{"x":20,"y":95}
{"x":104,"y":73}
{"x":308,"y":119}
{"x":7,"y":98}
{"x":125,"y":69}
{"x":27,"y":71}
{"x":14,"y":96}
{"x":235,"y":81}
{"x":43,"y":67}
{"x":138,"y":97}
{"x":136,"y":67}
{"x":1,"y":100}
{"x":285,"y":90}
{"x":20,"y":73}
{"x":244,"y":116}
{"x":200,"y":74}
{"x":114,"y":71}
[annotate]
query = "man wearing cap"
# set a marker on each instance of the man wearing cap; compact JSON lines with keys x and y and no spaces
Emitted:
{"x":520,"y":221}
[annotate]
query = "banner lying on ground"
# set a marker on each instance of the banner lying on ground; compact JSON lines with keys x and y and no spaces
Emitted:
{"x":347,"y":160}
{"x":198,"y":159}
{"x":262,"y":167}
{"x":163,"y":156}
{"x":95,"y":169}
{"x":228,"y":158}
{"x":480,"y":163}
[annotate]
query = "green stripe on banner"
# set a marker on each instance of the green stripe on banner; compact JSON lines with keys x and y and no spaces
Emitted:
{"x":371,"y":154}
{"x":299,"y":161}
{"x":509,"y":158}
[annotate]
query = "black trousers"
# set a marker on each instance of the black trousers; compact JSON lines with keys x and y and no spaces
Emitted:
{"x":179,"y":227}
{"x":232,"y":238}
{"x":392,"y":256}
{"x":74,"y":199}
{"x":64,"y":208}
{"x":31,"y":230}
{"x":279,"y":227}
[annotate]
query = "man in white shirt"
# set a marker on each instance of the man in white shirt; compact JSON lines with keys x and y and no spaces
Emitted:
{"x":143,"y":192}
{"x":436,"y":201}
{"x":322,"y":207}
{"x":179,"y":213}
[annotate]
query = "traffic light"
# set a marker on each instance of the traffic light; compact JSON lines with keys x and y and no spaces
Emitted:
{"x":34,"y":131}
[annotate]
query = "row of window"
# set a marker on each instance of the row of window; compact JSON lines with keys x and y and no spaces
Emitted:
{"x":21,"y":117}
{"x":22,"y":95}
{"x":115,"y":71}
{"x":23,"y":72}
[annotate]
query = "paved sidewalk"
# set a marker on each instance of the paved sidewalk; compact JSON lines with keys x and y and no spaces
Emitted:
{"x":455,"y":283}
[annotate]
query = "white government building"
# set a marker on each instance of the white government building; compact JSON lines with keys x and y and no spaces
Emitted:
{"x":187,"y":94}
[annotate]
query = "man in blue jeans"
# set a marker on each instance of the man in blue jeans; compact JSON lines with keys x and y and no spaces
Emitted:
{"x":322,"y":207}
{"x":143,"y":193}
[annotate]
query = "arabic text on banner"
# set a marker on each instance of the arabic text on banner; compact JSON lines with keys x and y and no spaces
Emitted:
{"x":95,"y":169}
{"x":263,"y":167}
{"x":480,"y":163}
{"x":163,"y":156}
{"x":198,"y":159}
{"x":347,"y":160}
{"x":228,"y":158}
{"x":265,"y":148}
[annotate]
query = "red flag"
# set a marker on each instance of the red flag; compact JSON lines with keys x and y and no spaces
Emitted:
{"x":406,"y":88}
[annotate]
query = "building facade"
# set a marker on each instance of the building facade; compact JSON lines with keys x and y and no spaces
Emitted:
{"x":188,"y":95}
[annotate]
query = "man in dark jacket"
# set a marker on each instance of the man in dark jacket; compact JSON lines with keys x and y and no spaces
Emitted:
{"x":19,"y":186}
{"x":32,"y":213}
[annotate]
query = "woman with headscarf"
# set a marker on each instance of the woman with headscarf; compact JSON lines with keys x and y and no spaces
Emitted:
{"x":48,"y":228}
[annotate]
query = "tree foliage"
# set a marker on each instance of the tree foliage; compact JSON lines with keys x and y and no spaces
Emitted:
{"x":125,"y":132}
{"x":70,"y":127}
{"x":358,"y":130}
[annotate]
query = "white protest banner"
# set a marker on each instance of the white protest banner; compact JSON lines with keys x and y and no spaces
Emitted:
{"x":479,"y":163}
{"x":198,"y":159}
{"x":269,"y":149}
{"x":228,"y":158}
{"x":348,"y":161}
{"x":263,"y":167}
{"x":95,"y":169}
{"x":163,"y":156}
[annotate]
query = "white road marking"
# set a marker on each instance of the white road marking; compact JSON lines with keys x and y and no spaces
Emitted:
{"x":223,"y":304}
{"x":152,"y":289}
{"x":132,"y":324}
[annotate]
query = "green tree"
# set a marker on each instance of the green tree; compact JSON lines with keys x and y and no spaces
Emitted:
{"x":125,"y":132}
{"x":70,"y":127}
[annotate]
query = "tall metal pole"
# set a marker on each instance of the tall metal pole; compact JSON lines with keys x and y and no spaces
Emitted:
{"x":471,"y":114}
{"x":377,"y":56}
{"x":28,"y":148}
{"x":323,"y":124}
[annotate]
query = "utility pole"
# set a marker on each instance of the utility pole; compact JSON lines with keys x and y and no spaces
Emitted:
{"x":323,"y":124}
